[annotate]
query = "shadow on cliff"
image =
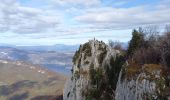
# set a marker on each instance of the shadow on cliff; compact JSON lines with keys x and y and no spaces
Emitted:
{"x":48,"y":97}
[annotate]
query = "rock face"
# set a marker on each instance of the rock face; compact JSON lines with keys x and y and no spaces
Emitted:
{"x":92,"y":54}
{"x":100,"y":73}
{"x":147,"y":82}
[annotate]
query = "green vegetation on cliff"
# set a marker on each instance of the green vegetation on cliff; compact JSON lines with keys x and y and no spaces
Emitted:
{"x":143,"y":69}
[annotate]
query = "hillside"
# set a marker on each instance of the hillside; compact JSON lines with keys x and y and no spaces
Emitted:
{"x":21,"y":81}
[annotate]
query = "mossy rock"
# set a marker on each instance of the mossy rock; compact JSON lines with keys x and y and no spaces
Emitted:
{"x":87,"y":50}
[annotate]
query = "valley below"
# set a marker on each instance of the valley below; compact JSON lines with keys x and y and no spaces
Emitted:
{"x":21,"y":81}
{"x":34,"y":73}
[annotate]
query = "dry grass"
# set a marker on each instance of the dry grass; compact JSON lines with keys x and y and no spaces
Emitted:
{"x":13,"y":75}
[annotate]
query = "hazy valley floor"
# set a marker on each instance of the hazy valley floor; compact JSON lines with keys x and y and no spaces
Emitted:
{"x":21,"y":81}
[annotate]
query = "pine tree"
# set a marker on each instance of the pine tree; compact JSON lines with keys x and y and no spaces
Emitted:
{"x":135,"y":43}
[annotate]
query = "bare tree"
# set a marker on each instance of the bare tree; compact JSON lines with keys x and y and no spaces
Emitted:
{"x":147,"y":56}
{"x":111,"y":43}
{"x":151,"y":32}
{"x":115,"y":44}
{"x":165,"y":47}
{"x":167,"y":29}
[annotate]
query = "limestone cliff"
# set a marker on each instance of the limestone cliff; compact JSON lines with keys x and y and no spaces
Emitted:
{"x":100,"y":73}
{"x":147,"y":82}
{"x":93,"y":54}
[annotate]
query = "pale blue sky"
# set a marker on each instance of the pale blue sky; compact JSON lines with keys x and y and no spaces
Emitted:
{"x":49,"y":22}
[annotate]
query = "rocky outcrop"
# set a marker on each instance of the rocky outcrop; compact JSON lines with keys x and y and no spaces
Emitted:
{"x":101,"y":73}
{"x":147,"y":82}
{"x":93,"y":54}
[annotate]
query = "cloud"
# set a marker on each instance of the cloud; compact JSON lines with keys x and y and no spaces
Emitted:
{"x":55,"y":18}
{"x":91,"y":17}
{"x":85,"y":3}
{"x":124,"y":17}
{"x":21,"y":19}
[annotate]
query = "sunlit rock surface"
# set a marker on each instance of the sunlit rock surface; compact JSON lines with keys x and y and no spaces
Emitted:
{"x":95,"y":53}
{"x":147,"y":82}
{"x":129,"y":81}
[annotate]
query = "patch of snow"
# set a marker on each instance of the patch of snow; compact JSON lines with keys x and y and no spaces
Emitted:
{"x":18,"y":63}
{"x":4,"y":53}
{"x":5,"y":62}
{"x":32,"y":67}
{"x":41,"y":71}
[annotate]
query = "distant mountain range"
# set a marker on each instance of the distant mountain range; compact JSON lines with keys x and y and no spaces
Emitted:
{"x":57,"y":48}
{"x":57,"y":58}
{"x":45,"y":48}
